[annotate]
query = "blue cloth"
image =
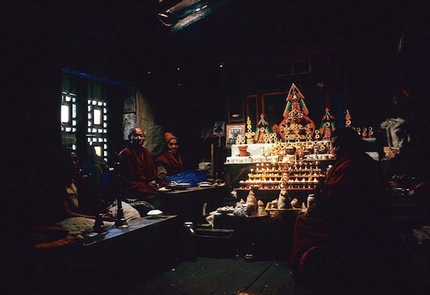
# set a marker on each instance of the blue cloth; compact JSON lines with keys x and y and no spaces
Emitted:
{"x":193,"y":177}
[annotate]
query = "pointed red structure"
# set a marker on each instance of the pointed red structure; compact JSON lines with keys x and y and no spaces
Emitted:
{"x":296,"y":124}
{"x":295,"y":103}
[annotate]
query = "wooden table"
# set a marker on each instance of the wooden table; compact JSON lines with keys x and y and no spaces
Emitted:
{"x":107,"y":262}
{"x":135,"y":226}
{"x":189,"y":204}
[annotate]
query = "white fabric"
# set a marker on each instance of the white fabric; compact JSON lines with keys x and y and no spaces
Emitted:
{"x":396,"y":132}
{"x":253,"y":149}
{"x":129,"y":211}
{"x":78,"y":225}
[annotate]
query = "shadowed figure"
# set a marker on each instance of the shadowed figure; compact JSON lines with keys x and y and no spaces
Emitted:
{"x":345,"y":240}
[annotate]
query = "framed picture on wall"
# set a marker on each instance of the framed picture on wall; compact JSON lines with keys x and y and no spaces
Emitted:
{"x":273,"y":105}
{"x":130,"y":104}
{"x":128,"y":122}
{"x":219,"y":129}
{"x":233,"y":130}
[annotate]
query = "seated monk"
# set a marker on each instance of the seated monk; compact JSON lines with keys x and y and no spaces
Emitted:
{"x":137,"y":169}
{"x":170,"y":161}
{"x":346,"y":232}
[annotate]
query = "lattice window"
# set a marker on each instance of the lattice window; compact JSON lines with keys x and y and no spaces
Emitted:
{"x":68,"y":118}
{"x":97,"y":118}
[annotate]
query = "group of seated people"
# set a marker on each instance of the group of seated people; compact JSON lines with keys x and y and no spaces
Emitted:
{"x":141,"y":175}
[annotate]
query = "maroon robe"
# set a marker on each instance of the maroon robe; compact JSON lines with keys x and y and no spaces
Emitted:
{"x":137,"y":171}
{"x":172,"y":163}
{"x":347,"y":214}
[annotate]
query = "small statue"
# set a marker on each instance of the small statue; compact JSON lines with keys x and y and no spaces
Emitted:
{"x":327,"y":125}
{"x":261,"y":211}
{"x":252,"y":204}
{"x":249,"y":133}
{"x":246,"y":208}
{"x":261,"y":130}
{"x":284,"y":201}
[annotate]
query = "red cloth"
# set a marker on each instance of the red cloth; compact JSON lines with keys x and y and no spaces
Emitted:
{"x":137,"y":170}
{"x":353,"y":192}
{"x":172,"y":163}
{"x":348,"y":212}
{"x":308,"y":232}
{"x":168,"y":137}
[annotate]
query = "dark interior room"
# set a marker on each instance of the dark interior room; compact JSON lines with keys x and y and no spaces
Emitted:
{"x":81,"y":74}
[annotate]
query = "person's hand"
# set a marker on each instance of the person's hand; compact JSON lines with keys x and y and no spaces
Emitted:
{"x":154,"y":185}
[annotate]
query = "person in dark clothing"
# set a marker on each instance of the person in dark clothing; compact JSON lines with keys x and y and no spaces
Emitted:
{"x":354,"y":183}
{"x":78,"y":190}
{"x":339,"y":243}
{"x":137,"y":169}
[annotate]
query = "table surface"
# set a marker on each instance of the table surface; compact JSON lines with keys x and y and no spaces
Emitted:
{"x":190,"y":189}
{"x":134,"y":225}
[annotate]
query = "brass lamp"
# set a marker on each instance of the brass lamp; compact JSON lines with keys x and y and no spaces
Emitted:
{"x":120,"y":220}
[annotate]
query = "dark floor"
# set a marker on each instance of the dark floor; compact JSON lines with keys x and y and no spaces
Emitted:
{"x":220,"y":276}
{"x":220,"y":268}
{"x":214,"y":263}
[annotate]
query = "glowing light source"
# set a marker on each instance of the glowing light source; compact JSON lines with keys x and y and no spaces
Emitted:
{"x":65,"y":114}
{"x":98,"y":150}
{"x":97,"y":117}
